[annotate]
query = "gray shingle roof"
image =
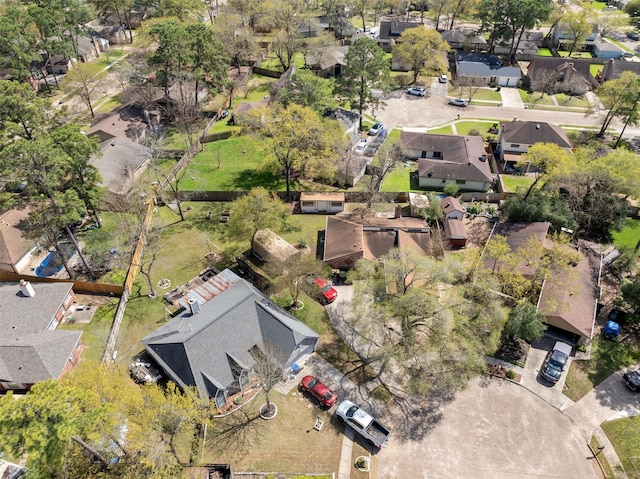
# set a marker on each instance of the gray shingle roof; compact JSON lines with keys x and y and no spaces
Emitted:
{"x":199,"y":350}
{"x":28,"y":351}
{"x":530,"y":132}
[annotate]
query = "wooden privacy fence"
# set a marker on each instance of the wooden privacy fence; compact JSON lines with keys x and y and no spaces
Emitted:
{"x":78,"y":286}
{"x":109,"y":355}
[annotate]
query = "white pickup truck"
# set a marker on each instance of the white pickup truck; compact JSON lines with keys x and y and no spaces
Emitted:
{"x":363,"y":423}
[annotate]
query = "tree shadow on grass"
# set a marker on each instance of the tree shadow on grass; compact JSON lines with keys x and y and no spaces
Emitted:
{"x":236,"y":431}
{"x":247,"y":179}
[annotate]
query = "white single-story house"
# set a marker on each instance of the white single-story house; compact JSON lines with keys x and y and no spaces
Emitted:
{"x":328,"y":202}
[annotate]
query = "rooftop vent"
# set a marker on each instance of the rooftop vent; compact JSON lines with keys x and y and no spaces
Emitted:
{"x":26,"y":289}
{"x":538,"y":126}
{"x":194,"y":306}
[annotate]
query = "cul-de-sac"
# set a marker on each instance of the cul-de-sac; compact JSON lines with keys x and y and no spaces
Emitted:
{"x":319,"y":239}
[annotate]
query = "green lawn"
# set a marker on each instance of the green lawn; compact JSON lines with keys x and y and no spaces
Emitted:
{"x":544,"y":52}
{"x":595,"y":68}
{"x":488,"y":94}
{"x":399,"y":179}
{"x":630,"y":234}
{"x":598,"y":5}
{"x":572,"y":101}
{"x":272,"y":62}
{"x":443,"y":130}
{"x":233,"y":164}
{"x":606,"y":358}
{"x":466,"y":127}
{"x":623,"y":434}
{"x":514,"y":183}
{"x":565,"y":53}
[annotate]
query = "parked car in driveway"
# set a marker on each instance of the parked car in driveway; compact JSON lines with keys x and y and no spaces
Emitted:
{"x":375,"y":129}
{"x":325,"y":290}
{"x":458,"y":102}
{"x":555,"y":361}
{"x":317,"y":390}
{"x":416,"y":91}
{"x":361,"y":146}
{"x":632,"y":380}
{"x":633,"y":36}
{"x":362,"y":423}
{"x":442,"y":79}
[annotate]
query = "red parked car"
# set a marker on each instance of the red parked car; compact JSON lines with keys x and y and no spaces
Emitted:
{"x":326,"y":291}
{"x":321,"y":393}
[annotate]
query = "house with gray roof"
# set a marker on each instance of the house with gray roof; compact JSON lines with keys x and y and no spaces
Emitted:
{"x":121,"y":163}
{"x":484,"y":69}
{"x":448,"y":159}
{"x":31,"y":349}
{"x":213,"y":345}
{"x":516,"y":137}
{"x":390,"y":32}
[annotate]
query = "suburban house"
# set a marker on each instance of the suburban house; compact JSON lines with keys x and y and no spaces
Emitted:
{"x":563,"y":37}
{"x":452,"y":208}
{"x":31,"y":349}
{"x":15,"y":249}
{"x":518,"y":236}
{"x":467,"y":40}
{"x":560,"y":74}
{"x":351,"y":167}
{"x":613,"y":68}
{"x":455,"y":232}
{"x":329,"y":202}
{"x":349,"y":121}
{"x":481,"y":69}
{"x":120,"y":165}
{"x":268,"y":246}
{"x":346,"y":240}
{"x":328,"y":61}
{"x":570,"y":303}
{"x":129,"y":122}
{"x":114,"y":34}
{"x":525,"y":49}
{"x":515,"y":138}
{"x":215,"y":343}
{"x":604,"y":49}
{"x":448,"y":159}
{"x":390,"y":32}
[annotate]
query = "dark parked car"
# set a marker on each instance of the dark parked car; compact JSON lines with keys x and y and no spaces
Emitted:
{"x":458,"y":102}
{"x":633,"y":36}
{"x":416,"y":91}
{"x":556,"y":361}
{"x":375,"y":129}
{"x":632,"y":379}
{"x":317,"y":390}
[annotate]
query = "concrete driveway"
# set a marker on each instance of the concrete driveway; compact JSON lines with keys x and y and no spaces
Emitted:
{"x":483,"y":434}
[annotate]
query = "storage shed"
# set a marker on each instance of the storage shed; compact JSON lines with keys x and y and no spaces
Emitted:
{"x":455,"y":232}
{"x":329,"y":202}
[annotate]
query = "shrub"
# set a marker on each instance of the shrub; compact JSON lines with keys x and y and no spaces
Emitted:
{"x":451,"y":189}
{"x":474,"y":209}
{"x":511,"y":374}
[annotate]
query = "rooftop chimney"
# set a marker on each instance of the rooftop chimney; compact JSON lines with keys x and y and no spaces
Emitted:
{"x":194,"y":306}
{"x":26,"y":289}
{"x":538,"y":126}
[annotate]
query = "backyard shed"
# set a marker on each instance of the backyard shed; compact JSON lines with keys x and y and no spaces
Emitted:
{"x":330,"y":202}
{"x":268,"y":246}
{"x":455,"y":232}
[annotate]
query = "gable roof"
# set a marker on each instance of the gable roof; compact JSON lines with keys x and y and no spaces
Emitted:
{"x":342,"y":238}
{"x":394,"y":28}
{"x":328,"y":57}
{"x":463,"y":36}
{"x":462,"y":157}
{"x":518,"y":234}
{"x":454,"y":229}
{"x":13,"y":246}
{"x":581,"y":66}
{"x":203,"y":349}
{"x":120,"y":160}
{"x":29,"y":352}
{"x":486,"y":70}
{"x":530,"y":132}
{"x":127,"y":122}
{"x":614,"y":68}
{"x":451,"y":204}
{"x":571,"y":304}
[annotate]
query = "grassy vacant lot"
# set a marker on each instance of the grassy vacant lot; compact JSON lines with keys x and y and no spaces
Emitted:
{"x":287,"y":443}
{"x":623,"y":434}
{"x":630,"y":234}
{"x":515,"y":183}
{"x":606,"y":358}
{"x":233,"y":164}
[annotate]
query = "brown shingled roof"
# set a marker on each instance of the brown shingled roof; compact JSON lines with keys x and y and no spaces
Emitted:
{"x":342,"y":238}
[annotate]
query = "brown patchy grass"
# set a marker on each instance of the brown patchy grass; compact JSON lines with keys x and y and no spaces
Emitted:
{"x":287,"y":443}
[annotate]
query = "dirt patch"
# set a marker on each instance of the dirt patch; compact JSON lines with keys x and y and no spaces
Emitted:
{"x":478,"y":230}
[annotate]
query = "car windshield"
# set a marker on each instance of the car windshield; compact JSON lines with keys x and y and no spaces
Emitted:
{"x":558,"y":360}
{"x":351,"y":411}
{"x":312,"y":383}
{"x":327,"y":395}
{"x":326,"y":288}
